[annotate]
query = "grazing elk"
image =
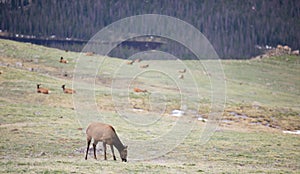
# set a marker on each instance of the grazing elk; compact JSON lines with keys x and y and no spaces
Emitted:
{"x":62,"y":60}
{"x":106,"y":134}
{"x":67,"y":90}
{"x":42,"y":90}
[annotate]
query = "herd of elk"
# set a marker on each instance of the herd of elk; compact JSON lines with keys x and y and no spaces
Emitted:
{"x":133,"y":61}
{"x":47,"y":91}
{"x":101,"y":132}
{"x":107,"y":135}
{"x":181,"y":76}
{"x":96,"y":131}
{"x":65,"y":90}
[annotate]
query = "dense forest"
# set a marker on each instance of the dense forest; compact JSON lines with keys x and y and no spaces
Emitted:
{"x":236,"y":28}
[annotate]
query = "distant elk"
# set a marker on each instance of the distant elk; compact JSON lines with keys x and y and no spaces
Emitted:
{"x":181,"y":76}
{"x":287,"y":49}
{"x":89,"y":53}
{"x":280,"y":47}
{"x":139,"y":90}
{"x":144,"y":66}
{"x":182,"y":71}
{"x":62,"y":60}
{"x":106,"y":134}
{"x":42,"y":90}
{"x":295,"y":52}
{"x":67,"y":90}
{"x":137,"y":60}
{"x":130,"y":62}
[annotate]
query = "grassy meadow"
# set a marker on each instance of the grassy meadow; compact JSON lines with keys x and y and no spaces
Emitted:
{"x":45,"y":133}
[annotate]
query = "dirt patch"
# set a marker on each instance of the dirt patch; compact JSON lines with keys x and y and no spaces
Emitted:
{"x":279,"y":118}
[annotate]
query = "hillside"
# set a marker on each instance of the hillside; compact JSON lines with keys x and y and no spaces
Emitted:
{"x":44,"y":133}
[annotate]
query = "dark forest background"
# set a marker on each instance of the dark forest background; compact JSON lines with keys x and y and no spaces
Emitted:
{"x":236,"y":28}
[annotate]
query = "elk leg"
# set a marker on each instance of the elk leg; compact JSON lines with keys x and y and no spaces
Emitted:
{"x":94,"y":147}
{"x":112,"y":150}
{"x":104,"y":148}
{"x":88,"y":147}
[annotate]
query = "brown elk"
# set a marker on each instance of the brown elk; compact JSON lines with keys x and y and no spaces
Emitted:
{"x":67,"y":90}
{"x":181,"y":76}
{"x":137,"y":60}
{"x":287,"y":49}
{"x":106,"y":134}
{"x":144,"y":66}
{"x":182,"y":71}
{"x":89,"y":53}
{"x":295,"y":52}
{"x":130,"y":62}
{"x":62,"y":60}
{"x":139,"y":90}
{"x":42,"y":90}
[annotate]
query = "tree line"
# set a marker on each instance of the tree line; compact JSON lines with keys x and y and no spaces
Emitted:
{"x":233,"y":27}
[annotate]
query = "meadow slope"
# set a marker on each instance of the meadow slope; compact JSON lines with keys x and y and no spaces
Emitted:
{"x":45,"y":133}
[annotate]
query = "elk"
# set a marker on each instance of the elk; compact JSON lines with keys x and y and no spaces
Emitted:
{"x":139,"y":90}
{"x":181,"y":76}
{"x":89,"y":53}
{"x":106,"y":134}
{"x":130,"y":62}
{"x":287,"y":49}
{"x":67,"y":90}
{"x":62,"y":60}
{"x":137,"y":60}
{"x":295,"y":52}
{"x":42,"y":90}
{"x":182,"y":71}
{"x":280,"y":47}
{"x":144,"y":66}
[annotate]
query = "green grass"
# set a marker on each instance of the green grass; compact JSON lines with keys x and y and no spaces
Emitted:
{"x":42,"y":133}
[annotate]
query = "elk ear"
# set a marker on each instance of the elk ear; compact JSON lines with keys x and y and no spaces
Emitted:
{"x":126,"y":147}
